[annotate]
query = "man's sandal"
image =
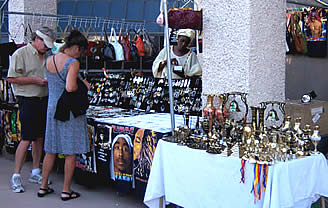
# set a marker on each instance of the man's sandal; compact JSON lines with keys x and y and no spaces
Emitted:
{"x":72,"y":195}
{"x":45,"y":191}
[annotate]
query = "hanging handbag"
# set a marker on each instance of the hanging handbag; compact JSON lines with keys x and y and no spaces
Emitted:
{"x":27,"y":33}
{"x":119,"y":54}
{"x":148,"y":45}
{"x":96,"y":47}
{"x":140,"y":46}
{"x":134,"y":49}
{"x":95,"y":50}
{"x":59,"y":41}
{"x":109,"y":51}
{"x":160,"y":17}
{"x":185,"y":18}
{"x":126,"y":47}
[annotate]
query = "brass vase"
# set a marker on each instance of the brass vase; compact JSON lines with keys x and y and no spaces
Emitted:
{"x":219,"y":112}
{"x":209,"y":112}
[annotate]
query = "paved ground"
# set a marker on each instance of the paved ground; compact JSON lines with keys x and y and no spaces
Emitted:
{"x":98,"y":196}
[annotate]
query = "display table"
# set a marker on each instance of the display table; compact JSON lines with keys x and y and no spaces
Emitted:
{"x":194,"y":178}
{"x":158,"y":122}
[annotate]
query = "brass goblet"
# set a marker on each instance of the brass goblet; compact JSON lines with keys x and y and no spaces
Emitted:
{"x":315,"y":138}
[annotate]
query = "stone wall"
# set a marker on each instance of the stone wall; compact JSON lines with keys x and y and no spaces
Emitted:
{"x":18,"y":23}
{"x":243,"y":48}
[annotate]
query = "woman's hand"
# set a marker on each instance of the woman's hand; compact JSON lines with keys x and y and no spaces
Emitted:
{"x":174,"y":61}
{"x":87,"y":84}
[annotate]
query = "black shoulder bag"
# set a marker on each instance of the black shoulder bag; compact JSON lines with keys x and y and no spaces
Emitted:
{"x":76,"y":101}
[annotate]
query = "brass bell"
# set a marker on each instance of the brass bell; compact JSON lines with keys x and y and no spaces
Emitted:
{"x":272,"y":115}
{"x":234,"y":107}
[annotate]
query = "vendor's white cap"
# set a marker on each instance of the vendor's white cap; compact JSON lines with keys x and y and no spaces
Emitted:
{"x":186,"y":32}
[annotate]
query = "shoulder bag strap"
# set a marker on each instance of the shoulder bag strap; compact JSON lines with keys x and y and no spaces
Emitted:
{"x":53,"y":58}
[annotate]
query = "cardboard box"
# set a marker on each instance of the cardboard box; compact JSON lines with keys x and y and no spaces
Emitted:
{"x":314,"y":113}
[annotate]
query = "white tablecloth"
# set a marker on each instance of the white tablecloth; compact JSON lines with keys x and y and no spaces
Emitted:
{"x":297,"y":183}
{"x":193,"y":178}
{"x":158,"y":122}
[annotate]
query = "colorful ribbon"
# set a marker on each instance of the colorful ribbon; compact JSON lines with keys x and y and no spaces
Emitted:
{"x":257,"y":183}
{"x":265,"y":176}
{"x":242,"y":171}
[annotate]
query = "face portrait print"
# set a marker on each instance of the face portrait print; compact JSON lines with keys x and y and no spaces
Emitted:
{"x":145,"y":142}
{"x":122,"y":155}
{"x":137,"y":144}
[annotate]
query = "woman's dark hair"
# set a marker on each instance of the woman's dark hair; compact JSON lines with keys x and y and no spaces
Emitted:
{"x":75,"y":38}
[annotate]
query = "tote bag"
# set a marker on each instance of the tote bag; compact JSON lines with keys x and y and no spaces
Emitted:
{"x":117,"y":46}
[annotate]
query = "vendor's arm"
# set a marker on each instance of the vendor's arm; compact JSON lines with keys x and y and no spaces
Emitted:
{"x":194,"y":68}
{"x":159,"y":64}
{"x":16,"y":73}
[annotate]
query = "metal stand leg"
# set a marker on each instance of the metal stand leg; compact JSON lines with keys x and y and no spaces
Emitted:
{"x":162,"y":202}
{"x":322,"y":202}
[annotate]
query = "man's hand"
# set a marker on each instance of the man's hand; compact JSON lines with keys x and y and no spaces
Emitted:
{"x":41,"y":82}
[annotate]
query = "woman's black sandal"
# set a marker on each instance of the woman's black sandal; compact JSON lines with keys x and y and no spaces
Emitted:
{"x":46,"y":191}
{"x":72,"y":195}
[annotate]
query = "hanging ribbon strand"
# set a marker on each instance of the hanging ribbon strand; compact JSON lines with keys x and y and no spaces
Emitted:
{"x":242,"y":171}
{"x":258,"y":183}
{"x":265,"y":176}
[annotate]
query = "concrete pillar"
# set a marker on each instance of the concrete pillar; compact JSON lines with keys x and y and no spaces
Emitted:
{"x":244,"y":48}
{"x":18,"y":23}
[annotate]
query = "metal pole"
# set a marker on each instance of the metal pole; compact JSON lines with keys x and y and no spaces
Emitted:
{"x":168,"y":58}
{"x":1,"y":10}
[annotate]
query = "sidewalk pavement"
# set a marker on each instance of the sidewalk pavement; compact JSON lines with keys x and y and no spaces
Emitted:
{"x":99,"y":196}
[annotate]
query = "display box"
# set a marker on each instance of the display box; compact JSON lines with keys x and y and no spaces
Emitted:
{"x":314,"y":113}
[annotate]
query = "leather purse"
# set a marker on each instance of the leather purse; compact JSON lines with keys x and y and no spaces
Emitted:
{"x":140,"y":46}
{"x":94,"y":54}
{"x":185,"y":18}
{"x":132,"y":43}
{"x":119,"y":54}
{"x":148,"y":45}
{"x":95,"y":50}
{"x":109,"y":50}
{"x":124,"y":41}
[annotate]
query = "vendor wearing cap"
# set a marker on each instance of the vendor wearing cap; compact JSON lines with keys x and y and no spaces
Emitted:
{"x":184,"y":62}
{"x":27,"y":74}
